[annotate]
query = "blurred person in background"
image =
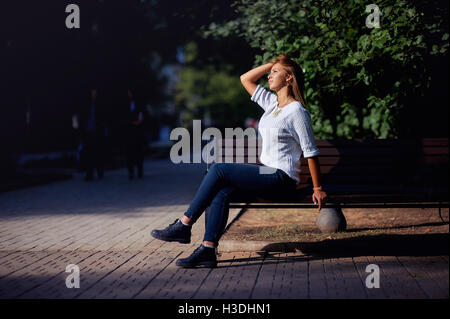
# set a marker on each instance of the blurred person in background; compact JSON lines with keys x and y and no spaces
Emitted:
{"x":134,"y":137}
{"x":94,"y":131}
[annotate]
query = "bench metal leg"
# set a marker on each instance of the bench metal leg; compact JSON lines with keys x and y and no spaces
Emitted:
{"x":331,"y":220}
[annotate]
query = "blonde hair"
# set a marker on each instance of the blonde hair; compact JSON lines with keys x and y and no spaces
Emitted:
{"x":296,"y":85}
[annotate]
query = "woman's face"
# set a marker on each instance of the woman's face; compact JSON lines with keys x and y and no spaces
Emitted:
{"x":278,"y":77}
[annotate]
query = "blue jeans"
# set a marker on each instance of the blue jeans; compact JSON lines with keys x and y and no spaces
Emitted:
{"x":235,"y":182}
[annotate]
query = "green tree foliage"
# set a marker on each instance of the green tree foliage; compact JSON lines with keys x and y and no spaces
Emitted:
{"x":360,"y":82}
{"x":211,"y":90}
{"x":208,"y":85}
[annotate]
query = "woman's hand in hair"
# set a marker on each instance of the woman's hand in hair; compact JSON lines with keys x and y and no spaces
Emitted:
{"x":250,"y":78}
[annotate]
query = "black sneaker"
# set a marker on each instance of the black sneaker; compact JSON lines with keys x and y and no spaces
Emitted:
{"x":174,"y":232}
{"x":201,"y":257}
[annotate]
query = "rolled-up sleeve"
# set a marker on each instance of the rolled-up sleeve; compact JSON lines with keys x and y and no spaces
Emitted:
{"x":263,"y":97}
{"x":303,"y":133}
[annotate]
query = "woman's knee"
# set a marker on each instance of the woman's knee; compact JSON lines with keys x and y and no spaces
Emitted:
{"x":219,"y":169}
{"x":223,"y":167}
{"x":217,"y":166}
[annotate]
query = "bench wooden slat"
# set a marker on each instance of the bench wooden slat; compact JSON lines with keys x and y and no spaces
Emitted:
{"x":425,"y":142}
{"x":364,"y":198}
{"x":407,"y":169}
{"x":384,"y":142}
{"x":384,"y":152}
{"x":335,"y":160}
{"x":437,"y":184}
{"x":350,"y":161}
{"x":401,"y":152}
{"x":375,"y":168}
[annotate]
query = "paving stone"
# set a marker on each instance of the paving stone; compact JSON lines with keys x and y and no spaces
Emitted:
{"x":318,"y":285}
{"x":430,"y":274}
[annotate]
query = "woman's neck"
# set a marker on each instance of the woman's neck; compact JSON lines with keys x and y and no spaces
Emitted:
{"x":284,"y":97}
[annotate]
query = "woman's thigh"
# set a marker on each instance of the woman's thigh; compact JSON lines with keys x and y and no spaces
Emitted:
{"x":248,"y":177}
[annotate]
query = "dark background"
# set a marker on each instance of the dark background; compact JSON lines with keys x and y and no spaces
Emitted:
{"x":48,"y":69}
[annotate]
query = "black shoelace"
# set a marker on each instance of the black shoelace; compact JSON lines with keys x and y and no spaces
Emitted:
{"x":176,"y":220}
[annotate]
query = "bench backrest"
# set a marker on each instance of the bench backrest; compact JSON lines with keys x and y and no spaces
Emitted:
{"x":365,"y":166}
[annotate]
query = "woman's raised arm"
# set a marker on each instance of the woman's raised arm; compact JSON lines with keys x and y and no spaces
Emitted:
{"x":249,"y":78}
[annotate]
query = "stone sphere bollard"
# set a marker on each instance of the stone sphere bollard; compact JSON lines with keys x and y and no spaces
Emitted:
{"x":331,"y":220}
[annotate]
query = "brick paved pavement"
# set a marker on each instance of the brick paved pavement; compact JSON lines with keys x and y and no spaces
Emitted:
{"x":104,"y":228}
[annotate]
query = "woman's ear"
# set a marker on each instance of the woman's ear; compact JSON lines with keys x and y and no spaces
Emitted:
{"x":289,"y":78}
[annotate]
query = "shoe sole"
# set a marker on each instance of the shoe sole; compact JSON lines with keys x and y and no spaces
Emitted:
{"x":179,"y":240}
{"x":204,"y":264}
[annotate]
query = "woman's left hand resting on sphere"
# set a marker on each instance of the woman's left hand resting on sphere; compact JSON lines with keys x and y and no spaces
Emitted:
{"x":319,"y":197}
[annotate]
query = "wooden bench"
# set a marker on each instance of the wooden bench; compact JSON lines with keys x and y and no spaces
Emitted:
{"x":361,"y":173}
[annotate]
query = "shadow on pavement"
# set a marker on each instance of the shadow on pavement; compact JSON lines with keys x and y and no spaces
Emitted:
{"x":381,"y":245}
